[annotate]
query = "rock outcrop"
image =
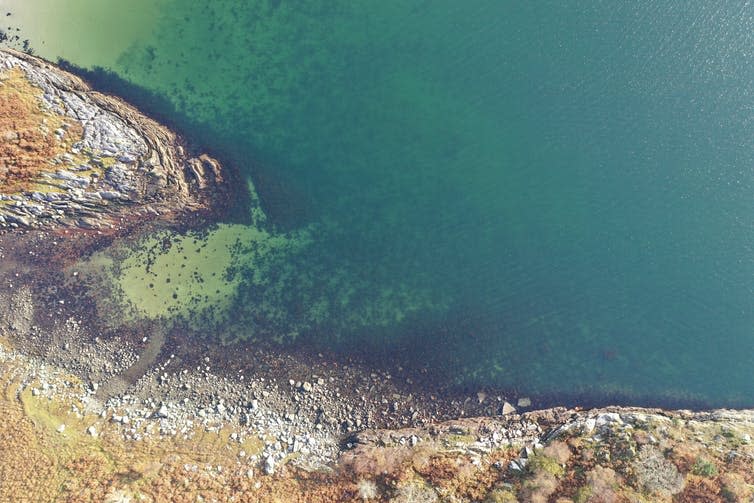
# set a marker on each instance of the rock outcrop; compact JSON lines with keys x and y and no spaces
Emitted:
{"x":614,"y":454}
{"x":71,"y":156}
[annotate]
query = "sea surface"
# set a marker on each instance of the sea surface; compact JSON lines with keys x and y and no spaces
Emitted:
{"x":551,"y":197}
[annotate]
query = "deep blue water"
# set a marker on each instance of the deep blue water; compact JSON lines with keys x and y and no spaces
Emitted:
{"x":548,"y":196}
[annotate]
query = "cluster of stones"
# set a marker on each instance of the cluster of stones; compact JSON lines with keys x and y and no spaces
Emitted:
{"x":613,"y":454}
{"x":85,"y":159}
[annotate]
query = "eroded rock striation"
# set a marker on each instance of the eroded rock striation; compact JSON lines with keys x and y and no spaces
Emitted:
{"x":71,"y":156}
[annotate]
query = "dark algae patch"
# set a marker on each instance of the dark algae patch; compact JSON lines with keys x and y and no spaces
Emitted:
{"x":545,"y":198}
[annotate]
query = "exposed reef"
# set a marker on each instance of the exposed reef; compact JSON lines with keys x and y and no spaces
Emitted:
{"x":73,"y":157}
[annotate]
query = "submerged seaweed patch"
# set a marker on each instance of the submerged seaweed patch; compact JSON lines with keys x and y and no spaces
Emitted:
{"x":252,"y":282}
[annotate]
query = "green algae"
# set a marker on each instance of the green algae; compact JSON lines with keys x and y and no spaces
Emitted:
{"x":185,"y":275}
{"x":171,"y":275}
{"x":241,"y":282}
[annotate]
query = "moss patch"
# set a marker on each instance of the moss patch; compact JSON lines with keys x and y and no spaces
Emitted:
{"x":540,"y":462}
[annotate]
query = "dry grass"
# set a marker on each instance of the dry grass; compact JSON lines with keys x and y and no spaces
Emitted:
{"x":655,"y":474}
{"x":27,"y":132}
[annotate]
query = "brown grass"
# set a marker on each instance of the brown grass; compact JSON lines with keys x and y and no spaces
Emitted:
{"x":27,"y":132}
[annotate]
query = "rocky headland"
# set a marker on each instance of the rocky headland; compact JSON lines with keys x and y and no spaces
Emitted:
{"x":70,"y":156}
{"x":93,"y":410}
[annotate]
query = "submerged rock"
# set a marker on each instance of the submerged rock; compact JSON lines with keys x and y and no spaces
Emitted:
{"x":507,"y":409}
{"x":70,"y":156}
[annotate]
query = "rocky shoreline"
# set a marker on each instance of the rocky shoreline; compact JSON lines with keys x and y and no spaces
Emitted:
{"x":94,"y":410}
{"x":74,"y":157}
{"x":207,"y":448}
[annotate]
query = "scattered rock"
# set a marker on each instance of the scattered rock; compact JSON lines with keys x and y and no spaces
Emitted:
{"x":508,"y":409}
{"x":162,"y":411}
{"x":269,"y":465}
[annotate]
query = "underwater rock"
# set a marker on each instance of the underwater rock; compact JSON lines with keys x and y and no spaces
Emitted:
{"x":71,"y":156}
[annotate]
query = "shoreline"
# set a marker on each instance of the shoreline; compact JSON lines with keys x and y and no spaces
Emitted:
{"x":249,"y":447}
{"x":221,"y":209}
{"x":288,"y":429}
{"x":118,"y":408}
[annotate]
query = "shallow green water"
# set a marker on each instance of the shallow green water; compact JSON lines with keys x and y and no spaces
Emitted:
{"x":550,"y":196}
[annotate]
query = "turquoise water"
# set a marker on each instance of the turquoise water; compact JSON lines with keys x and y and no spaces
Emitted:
{"x":554,"y":197}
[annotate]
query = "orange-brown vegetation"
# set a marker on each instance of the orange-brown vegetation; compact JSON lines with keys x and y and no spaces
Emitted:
{"x":27,"y":132}
{"x":661,"y":463}
{"x":27,"y":468}
{"x":701,"y":490}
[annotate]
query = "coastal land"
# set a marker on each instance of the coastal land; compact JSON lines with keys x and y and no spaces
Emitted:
{"x":100,"y":406}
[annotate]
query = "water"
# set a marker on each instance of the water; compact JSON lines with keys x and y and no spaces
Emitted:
{"x":550,"y":197}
